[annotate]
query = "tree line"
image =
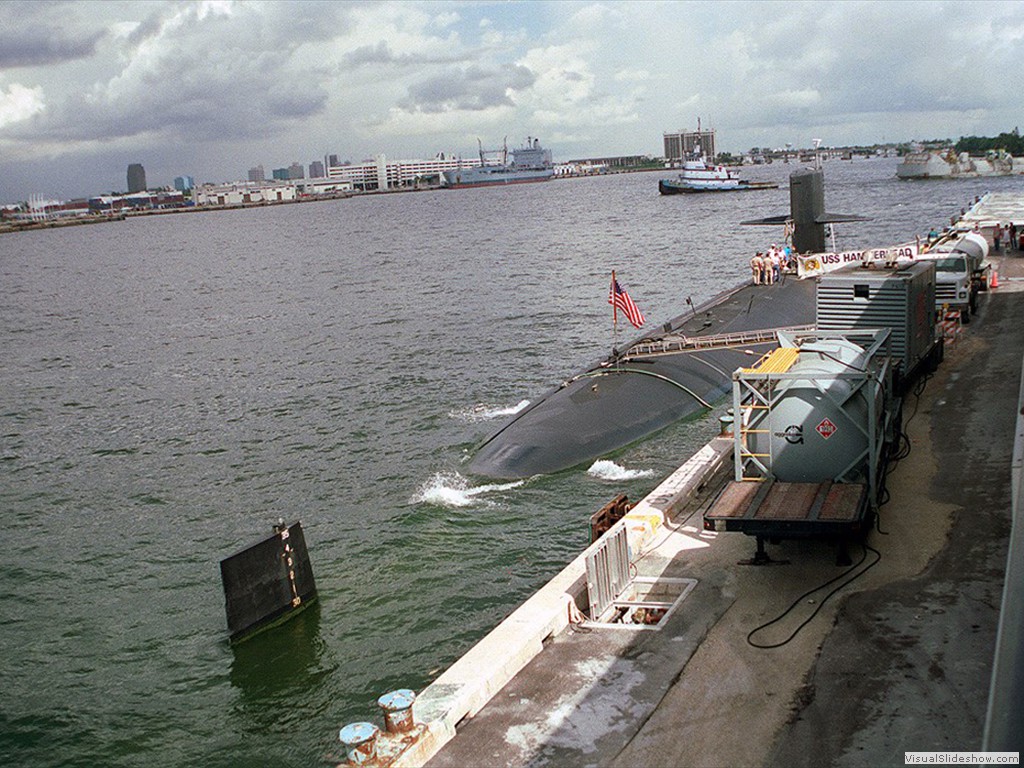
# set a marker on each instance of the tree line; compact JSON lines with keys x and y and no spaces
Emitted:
{"x":978,"y":145}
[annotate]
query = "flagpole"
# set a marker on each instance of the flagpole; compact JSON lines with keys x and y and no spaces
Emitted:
{"x":615,"y":321}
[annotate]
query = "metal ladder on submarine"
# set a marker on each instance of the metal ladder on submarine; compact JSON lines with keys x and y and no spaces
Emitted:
{"x":662,"y":378}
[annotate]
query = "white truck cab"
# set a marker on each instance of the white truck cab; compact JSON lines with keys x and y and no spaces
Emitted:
{"x":961,"y":273}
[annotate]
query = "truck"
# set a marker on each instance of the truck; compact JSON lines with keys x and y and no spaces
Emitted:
{"x":961,"y":272}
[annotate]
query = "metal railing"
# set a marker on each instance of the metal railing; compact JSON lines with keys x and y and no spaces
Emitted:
{"x":676,"y":343}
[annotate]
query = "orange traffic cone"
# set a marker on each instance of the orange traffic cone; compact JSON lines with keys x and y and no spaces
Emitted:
{"x":994,"y":282}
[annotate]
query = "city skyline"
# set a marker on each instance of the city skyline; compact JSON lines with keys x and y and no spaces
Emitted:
{"x":210,"y":89}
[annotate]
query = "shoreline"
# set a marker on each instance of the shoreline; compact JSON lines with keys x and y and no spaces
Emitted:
{"x":9,"y":226}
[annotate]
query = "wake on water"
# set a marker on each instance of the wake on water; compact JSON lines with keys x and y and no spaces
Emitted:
{"x":603,"y":469}
{"x":452,"y":490}
{"x":485,"y":412}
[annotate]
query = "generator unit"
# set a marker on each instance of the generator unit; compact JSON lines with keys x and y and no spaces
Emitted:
{"x":900,"y":298}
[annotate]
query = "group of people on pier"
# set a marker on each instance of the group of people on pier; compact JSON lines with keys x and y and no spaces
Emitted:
{"x":767,"y":268}
{"x":1008,"y":236}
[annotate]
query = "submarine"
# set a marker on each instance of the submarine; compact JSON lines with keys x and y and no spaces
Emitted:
{"x":671,"y":374}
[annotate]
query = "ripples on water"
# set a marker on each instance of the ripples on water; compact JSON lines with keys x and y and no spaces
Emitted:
{"x":171,"y":385}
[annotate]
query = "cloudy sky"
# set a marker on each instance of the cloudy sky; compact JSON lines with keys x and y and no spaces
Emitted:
{"x":210,"y":89}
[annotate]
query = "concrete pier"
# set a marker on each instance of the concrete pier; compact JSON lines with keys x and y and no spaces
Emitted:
{"x":898,"y":658}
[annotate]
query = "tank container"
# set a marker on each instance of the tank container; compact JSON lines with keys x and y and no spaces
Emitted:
{"x":824,"y":418}
{"x":974,"y":245}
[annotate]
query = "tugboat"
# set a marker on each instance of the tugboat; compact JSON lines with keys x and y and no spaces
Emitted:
{"x":698,"y":176}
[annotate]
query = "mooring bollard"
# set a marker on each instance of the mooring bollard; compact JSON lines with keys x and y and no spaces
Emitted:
{"x":360,"y":740}
{"x":397,"y":706}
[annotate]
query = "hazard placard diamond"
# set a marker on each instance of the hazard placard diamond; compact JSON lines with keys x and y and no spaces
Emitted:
{"x":826,"y":428}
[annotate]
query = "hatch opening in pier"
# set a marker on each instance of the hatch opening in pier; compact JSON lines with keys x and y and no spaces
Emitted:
{"x":646,"y":603}
{"x":618,"y":599}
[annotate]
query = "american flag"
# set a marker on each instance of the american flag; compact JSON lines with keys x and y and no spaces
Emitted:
{"x":619,"y":299}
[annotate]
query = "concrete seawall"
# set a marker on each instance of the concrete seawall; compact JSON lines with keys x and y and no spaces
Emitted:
{"x":470,"y":683}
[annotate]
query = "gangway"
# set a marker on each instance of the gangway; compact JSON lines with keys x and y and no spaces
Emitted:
{"x":674,"y":344}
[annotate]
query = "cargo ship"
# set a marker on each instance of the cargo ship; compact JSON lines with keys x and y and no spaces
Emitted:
{"x":949,"y":165}
{"x":528,"y":164}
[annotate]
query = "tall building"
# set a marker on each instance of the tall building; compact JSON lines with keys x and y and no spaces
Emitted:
{"x":681,"y":145}
{"x":332,"y":161}
{"x":136,"y":178}
{"x":316,"y":169}
{"x":183,"y":183}
{"x":256,"y":174}
{"x":296,"y":171}
{"x":281,"y":174}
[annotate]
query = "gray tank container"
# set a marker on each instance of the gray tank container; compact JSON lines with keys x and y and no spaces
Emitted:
{"x":974,"y":246}
{"x":826,"y":415}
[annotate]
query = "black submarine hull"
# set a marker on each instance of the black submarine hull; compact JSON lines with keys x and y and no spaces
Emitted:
{"x":617,"y":402}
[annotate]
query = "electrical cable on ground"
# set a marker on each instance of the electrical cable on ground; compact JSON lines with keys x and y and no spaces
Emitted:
{"x":795,"y":603}
{"x":902,"y":449}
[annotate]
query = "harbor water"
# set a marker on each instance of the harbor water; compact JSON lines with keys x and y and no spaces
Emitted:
{"x":171,"y":385}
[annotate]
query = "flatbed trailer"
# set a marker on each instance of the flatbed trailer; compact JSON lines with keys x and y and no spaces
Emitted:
{"x":776,"y":509}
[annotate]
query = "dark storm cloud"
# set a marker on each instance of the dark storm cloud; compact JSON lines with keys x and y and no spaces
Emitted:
{"x":192,"y":78}
{"x":217,"y":104}
{"x":36,"y":33}
{"x":294,"y":103}
{"x":472,"y":88}
{"x":38,"y":47}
